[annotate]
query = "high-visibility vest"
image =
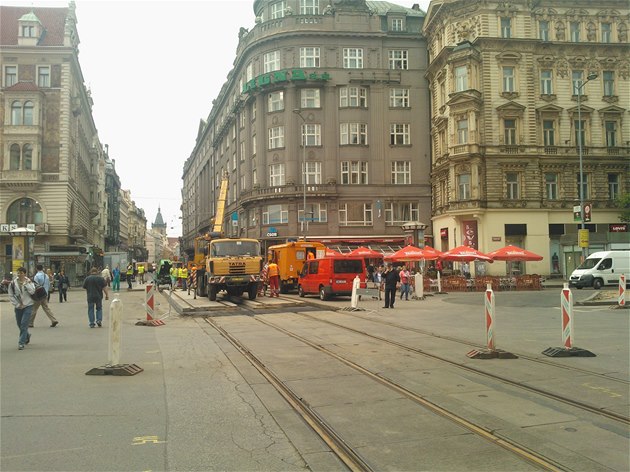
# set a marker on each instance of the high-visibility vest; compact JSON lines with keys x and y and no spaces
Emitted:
{"x":129,"y":269}
{"x":183,"y":273}
{"x":140,"y":269}
{"x":272,"y":270}
{"x":173,"y":272}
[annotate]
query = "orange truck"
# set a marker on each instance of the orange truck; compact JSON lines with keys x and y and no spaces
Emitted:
{"x":290,"y":258}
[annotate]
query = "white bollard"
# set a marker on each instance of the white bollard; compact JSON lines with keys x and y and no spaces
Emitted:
{"x":419,"y":283}
{"x":354,"y":300}
{"x":115,"y":330}
{"x":439,"y":282}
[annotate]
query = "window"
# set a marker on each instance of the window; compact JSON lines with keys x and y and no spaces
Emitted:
{"x":462,"y":131}
{"x":271,"y":61}
{"x":309,"y":7}
{"x":580,"y":132}
{"x":399,"y":134}
{"x":241,"y":148}
{"x":352,"y":58}
{"x":277,"y":10}
{"x":509,"y":132}
{"x":25,"y":211}
{"x":22,"y":114}
{"x":28,"y":31}
{"x":399,"y":98}
{"x":512,"y":185}
{"x":399,"y":59}
{"x":397,"y":24}
{"x":43,"y":76}
{"x":10,"y":75}
{"x":574,"y":28}
{"x":506,"y":27}
{"x":315,"y":212}
{"x":254,"y":177}
{"x":21,"y":158}
{"x":352,"y":97}
{"x":546,"y":84}
{"x":313,"y":173}
{"x":397,"y":213}
{"x":309,"y":57}
{"x":309,"y":98}
{"x":249,"y":72}
{"x":613,"y":186}
{"x":463,"y":186}
{"x":253,"y":145}
{"x":549,"y":132}
{"x":353,"y":133}
{"x":609,"y":83}
{"x":401,"y":173}
{"x":577,"y":77}
{"x":253,"y":110}
{"x":276,"y":101}
{"x":508,"y":79}
{"x":275,"y":214}
{"x":355,"y":214}
{"x":551,"y":186}
{"x":276,"y":175}
{"x":354,"y":173}
{"x":543,"y":30}
{"x":585,"y":193}
{"x":461,"y":78}
{"x":276,"y":137}
{"x":312,"y":134}
{"x":241,"y":119}
{"x":606,"y":29}
{"x":611,"y":133}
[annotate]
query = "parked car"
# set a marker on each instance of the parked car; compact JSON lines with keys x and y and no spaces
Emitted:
{"x":601,"y":268}
{"x":330,"y":276}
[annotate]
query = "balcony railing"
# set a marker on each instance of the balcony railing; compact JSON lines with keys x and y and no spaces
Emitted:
{"x":20,"y":178}
{"x":288,"y":191}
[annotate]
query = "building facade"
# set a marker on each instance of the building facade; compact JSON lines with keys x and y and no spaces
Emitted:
{"x":529,"y":99}
{"x":326,"y":110}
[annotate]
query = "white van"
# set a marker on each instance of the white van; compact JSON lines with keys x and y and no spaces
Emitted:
{"x":601,"y":268}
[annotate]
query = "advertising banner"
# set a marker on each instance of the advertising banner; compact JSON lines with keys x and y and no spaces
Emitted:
{"x":469,"y":234}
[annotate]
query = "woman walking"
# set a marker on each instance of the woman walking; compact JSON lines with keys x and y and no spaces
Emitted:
{"x":20,"y":291}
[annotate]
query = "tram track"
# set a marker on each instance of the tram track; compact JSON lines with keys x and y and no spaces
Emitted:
{"x":568,"y":401}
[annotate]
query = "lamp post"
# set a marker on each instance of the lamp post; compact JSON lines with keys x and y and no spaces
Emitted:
{"x":589,"y":77}
{"x":298,"y":112}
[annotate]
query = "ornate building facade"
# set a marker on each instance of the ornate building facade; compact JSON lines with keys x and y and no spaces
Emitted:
{"x":322,"y":126}
{"x":514,"y":87}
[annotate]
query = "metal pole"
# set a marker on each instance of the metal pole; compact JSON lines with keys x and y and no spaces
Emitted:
{"x":303,"y":140}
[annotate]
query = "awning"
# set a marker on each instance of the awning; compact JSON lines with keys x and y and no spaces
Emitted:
{"x":60,"y":254}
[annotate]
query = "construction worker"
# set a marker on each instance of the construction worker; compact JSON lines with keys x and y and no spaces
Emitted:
{"x":141,"y":273}
{"x":173,"y":274}
{"x":264,"y":280}
{"x":183,"y":276}
{"x":129,"y":275}
{"x":273,"y":272}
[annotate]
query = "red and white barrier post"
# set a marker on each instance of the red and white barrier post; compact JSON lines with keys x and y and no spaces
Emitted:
{"x":490,"y":310}
{"x":622,"y":291}
{"x":566,"y":305}
{"x":149,"y":302}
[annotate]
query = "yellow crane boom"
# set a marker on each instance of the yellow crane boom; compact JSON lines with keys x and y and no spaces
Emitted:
{"x":218,"y":217}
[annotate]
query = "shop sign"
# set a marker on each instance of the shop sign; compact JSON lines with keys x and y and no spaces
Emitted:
{"x":470,"y":234}
{"x":443,"y":233}
{"x":283,"y":76}
{"x":272,"y":232}
{"x":618,"y":228}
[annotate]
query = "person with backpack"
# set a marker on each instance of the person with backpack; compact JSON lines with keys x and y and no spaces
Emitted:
{"x":20,"y":291}
{"x":42,"y":280}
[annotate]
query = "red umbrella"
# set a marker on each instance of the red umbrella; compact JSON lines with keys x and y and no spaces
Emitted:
{"x":331,"y":253}
{"x":407,"y":254}
{"x":431,"y":254}
{"x":464,"y":254}
{"x":366,"y":253}
{"x":513,"y":253}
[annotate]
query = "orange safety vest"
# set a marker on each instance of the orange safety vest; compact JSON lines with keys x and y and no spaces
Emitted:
{"x":272,"y":270}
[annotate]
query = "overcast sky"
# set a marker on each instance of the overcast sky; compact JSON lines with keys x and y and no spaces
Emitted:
{"x":154,"y":68}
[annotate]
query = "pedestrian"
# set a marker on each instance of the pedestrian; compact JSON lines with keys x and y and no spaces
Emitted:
{"x":42,"y":279}
{"x":20,"y":291}
{"x":107,"y":275}
{"x":129,"y":275}
{"x":116,"y":279}
{"x":183,"y":276}
{"x":62,"y":282}
{"x":390,"y":280}
{"x":141,"y":273}
{"x":405,"y":278}
{"x":51,"y":280}
{"x":273,"y":273}
{"x":95,"y":286}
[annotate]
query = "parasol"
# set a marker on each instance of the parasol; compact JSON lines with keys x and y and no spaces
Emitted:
{"x":513,"y":253}
{"x":465,"y":254}
{"x":366,"y":253}
{"x":407,"y":254}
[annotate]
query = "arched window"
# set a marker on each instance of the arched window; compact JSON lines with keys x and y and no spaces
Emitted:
{"x":27,"y":157}
{"x":15,"y":157}
{"x":28,"y":113}
{"x":25,"y":211}
{"x":16,"y":113}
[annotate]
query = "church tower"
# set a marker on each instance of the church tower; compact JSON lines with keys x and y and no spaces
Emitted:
{"x":159,"y":225}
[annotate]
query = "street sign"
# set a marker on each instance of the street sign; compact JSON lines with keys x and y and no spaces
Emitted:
{"x":587,"y":212}
{"x":583,"y":237}
{"x":577,"y":213}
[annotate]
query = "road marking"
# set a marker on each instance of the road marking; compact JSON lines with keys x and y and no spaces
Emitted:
{"x":607,"y":391}
{"x":141,"y":440}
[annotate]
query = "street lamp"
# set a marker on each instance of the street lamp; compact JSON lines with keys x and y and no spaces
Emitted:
{"x":298,"y":112}
{"x":590,"y":77}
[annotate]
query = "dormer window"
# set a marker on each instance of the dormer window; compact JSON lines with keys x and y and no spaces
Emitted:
{"x":30,"y":30}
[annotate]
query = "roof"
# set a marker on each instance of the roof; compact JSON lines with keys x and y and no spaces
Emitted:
{"x":23,"y":86}
{"x":159,"y":221}
{"x":52,"y":19}
{"x":30,"y":16}
{"x":383,"y":8}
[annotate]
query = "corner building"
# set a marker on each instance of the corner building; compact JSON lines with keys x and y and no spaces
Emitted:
{"x":333,"y":95}
{"x":505,"y":122}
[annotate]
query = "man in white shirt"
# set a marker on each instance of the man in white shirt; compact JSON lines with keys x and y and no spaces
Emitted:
{"x":42,"y":279}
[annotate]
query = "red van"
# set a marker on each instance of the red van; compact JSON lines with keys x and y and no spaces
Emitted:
{"x":330,"y":276}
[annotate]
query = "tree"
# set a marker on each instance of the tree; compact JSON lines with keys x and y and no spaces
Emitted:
{"x":623,"y":203}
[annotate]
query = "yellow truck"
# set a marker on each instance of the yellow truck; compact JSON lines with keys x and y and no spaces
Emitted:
{"x":233,"y":266}
{"x":290,"y":258}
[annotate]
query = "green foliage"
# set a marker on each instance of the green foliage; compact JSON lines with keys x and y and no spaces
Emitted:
{"x":623,"y":203}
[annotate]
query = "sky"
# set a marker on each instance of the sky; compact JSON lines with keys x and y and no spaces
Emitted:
{"x":153,"y":68}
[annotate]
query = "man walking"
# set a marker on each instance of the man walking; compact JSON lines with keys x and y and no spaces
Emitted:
{"x":20,"y":291}
{"x":42,"y":279}
{"x":129,"y":275}
{"x":95,"y":285}
{"x":390,"y":279}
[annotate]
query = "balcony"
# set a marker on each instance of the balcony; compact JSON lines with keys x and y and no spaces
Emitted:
{"x":20,"y":179}
{"x":77,"y":232}
{"x":94,"y":209}
{"x":289,"y":191}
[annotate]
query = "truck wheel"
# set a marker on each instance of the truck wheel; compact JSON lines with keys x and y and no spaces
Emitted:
{"x":598,"y":283}
{"x":252,"y":291}
{"x":301,"y":292}
{"x":212,"y":293}
{"x":323,"y":295}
